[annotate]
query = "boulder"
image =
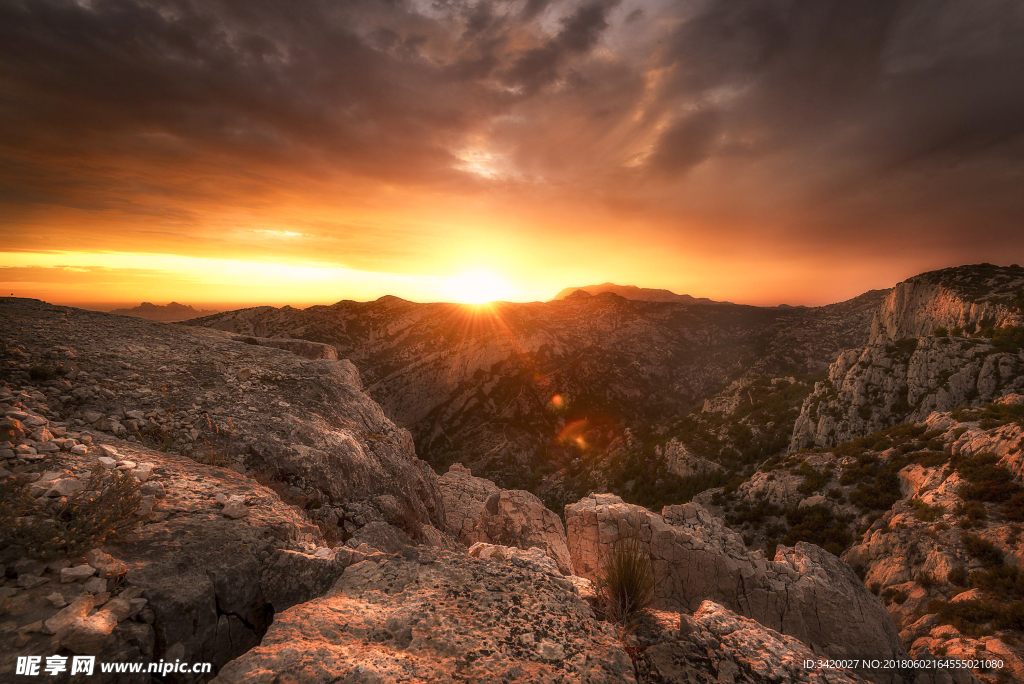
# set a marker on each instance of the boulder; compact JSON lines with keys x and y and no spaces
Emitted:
{"x":805,"y":592}
{"x":715,"y":645}
{"x":79,"y":572}
{"x":381,"y":536}
{"x":477,"y":510}
{"x":292,"y":577}
{"x":106,"y":565}
{"x":88,"y":634}
{"x":464,"y":497}
{"x":518,"y":518}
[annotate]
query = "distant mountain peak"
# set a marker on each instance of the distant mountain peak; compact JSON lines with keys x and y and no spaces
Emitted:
{"x":644,"y":294}
{"x":170,"y":313}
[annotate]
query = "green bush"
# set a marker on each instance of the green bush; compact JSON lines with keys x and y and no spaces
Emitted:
{"x":814,"y":479}
{"x":981,"y":618}
{"x":897,"y":596}
{"x":818,"y":525}
{"x":627,"y":585}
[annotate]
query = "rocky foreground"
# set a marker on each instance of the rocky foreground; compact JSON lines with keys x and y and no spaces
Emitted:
{"x":176,"y":493}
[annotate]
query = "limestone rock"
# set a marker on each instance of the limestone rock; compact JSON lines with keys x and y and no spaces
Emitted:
{"x":78,"y":572}
{"x":464,"y":497}
{"x":518,"y":518}
{"x":478,"y":510}
{"x":235,"y":510}
{"x":88,"y":634}
{"x":805,"y":592}
{"x":292,"y":577}
{"x":106,"y":565}
{"x":436,"y":617}
{"x":715,"y":645}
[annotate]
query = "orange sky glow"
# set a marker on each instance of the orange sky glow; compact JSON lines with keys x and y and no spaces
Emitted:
{"x":228,"y":155}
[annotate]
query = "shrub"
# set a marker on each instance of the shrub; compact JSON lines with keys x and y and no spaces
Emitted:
{"x":991,"y":415}
{"x":958,"y":576}
{"x":1003,"y":580}
{"x":973,"y":512}
{"x":982,"y":549}
{"x":627,"y":586}
{"x":926,"y":512}
{"x":105,"y":506}
{"x":941,"y":332}
{"x":818,"y":525}
{"x":986,"y":480}
{"x":1013,"y":508}
{"x":814,"y":480}
{"x":980,"y":618}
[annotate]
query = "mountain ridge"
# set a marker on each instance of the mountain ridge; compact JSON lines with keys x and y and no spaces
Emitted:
{"x":167,"y":313}
{"x":644,"y":294}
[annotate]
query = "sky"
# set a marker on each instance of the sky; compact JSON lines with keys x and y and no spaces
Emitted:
{"x":258,"y":152}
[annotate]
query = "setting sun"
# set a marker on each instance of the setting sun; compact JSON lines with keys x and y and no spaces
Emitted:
{"x":478,"y":287}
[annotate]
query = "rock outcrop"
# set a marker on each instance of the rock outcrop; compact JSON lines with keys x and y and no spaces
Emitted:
{"x":930,"y":349}
{"x":967,"y":297}
{"x":195,"y":422}
{"x":715,"y":645}
{"x":438,"y":616}
{"x":880,"y":386}
{"x":304,"y":424}
{"x":804,"y":592}
{"x":479,"y":511}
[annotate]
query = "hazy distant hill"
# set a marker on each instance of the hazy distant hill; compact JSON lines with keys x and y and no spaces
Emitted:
{"x":643,"y":294}
{"x":168,"y":314}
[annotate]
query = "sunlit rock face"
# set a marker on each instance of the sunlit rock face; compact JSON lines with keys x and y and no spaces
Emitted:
{"x":907,"y":370}
{"x":436,"y":616}
{"x":804,"y":592}
{"x":967,"y":297}
{"x":479,"y":511}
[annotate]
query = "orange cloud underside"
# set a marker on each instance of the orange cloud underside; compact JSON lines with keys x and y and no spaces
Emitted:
{"x":231,"y":154}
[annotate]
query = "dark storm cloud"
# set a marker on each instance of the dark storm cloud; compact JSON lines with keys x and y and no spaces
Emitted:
{"x":579,"y":33}
{"x":853,"y":91}
{"x":874,"y":117}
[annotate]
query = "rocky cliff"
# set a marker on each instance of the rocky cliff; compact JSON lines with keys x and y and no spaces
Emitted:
{"x":928,"y":514}
{"x":804,"y":592}
{"x":969,"y":298}
{"x":938,"y":341}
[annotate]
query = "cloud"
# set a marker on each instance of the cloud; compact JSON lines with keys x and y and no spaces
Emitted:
{"x":812,"y":125}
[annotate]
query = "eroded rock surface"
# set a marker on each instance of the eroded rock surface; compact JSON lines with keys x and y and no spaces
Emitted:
{"x":804,"y":592}
{"x":439,"y":617}
{"x":715,"y":645}
{"x":479,"y":511}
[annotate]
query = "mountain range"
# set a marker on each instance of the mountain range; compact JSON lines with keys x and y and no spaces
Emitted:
{"x":284,"y":493}
{"x":643,"y":294}
{"x":168,"y":313}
